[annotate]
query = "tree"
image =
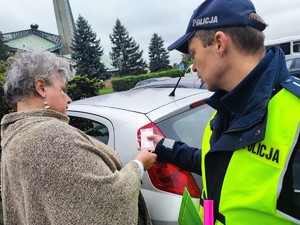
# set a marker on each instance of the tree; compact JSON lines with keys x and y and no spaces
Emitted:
{"x":87,"y":51}
{"x":158,"y":55}
{"x":4,"y":49}
{"x":125,"y":54}
{"x":4,"y":107}
{"x":187,"y":60}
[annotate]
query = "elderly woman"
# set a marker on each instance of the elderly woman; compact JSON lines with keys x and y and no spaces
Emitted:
{"x":52,"y":173}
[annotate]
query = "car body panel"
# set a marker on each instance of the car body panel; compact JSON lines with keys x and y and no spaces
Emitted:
{"x":192,"y":81}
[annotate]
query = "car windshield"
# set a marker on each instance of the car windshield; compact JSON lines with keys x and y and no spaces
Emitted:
{"x":188,"y":126}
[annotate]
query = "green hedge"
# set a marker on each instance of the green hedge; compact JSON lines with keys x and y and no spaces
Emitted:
{"x":84,"y":87}
{"x":128,"y":82}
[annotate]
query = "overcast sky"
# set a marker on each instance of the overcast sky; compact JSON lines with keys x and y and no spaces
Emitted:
{"x":142,"y":18}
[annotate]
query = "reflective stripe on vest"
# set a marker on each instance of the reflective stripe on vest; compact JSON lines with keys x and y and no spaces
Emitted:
{"x":253,"y":179}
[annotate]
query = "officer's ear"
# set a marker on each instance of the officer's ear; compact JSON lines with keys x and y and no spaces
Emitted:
{"x":221,"y":41}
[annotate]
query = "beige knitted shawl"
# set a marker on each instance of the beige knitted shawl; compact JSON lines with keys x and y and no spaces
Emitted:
{"x":53,"y":173}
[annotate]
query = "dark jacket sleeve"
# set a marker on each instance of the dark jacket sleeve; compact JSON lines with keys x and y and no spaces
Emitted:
{"x":181,"y":155}
{"x":296,"y":176}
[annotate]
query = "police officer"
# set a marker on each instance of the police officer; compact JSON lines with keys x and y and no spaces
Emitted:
{"x":249,"y":159}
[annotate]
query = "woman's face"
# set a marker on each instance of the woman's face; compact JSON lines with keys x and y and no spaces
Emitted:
{"x":56,"y":95}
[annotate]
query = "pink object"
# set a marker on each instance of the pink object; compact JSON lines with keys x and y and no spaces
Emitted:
{"x":208,"y":212}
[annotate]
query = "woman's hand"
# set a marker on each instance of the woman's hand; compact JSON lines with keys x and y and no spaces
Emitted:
{"x":147,"y":158}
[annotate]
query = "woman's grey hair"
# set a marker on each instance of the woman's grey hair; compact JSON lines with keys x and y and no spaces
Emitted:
{"x":27,"y":67}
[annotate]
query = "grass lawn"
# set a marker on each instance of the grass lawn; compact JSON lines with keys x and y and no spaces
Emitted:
{"x":105,"y":91}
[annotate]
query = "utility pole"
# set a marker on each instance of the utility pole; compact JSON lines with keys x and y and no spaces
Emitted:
{"x":65,"y":24}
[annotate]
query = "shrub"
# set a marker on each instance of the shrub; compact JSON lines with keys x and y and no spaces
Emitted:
{"x":128,"y":82}
{"x":4,"y":107}
{"x":84,"y":87}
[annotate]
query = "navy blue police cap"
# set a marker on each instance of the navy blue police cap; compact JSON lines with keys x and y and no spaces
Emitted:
{"x":212,"y":14}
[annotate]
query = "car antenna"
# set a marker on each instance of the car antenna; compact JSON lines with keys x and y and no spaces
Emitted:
{"x":173,"y":92}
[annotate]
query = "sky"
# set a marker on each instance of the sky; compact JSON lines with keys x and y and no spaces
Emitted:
{"x":141,"y":18}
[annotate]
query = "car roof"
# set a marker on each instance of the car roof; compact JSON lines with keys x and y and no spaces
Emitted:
{"x":147,"y":81}
{"x":142,"y":100}
{"x":293,"y":56}
{"x":192,"y":81}
{"x":295,"y":72}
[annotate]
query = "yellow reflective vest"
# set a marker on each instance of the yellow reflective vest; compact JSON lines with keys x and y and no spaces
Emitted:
{"x":253,"y":179}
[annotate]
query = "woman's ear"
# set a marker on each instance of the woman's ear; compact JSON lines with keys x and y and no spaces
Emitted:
{"x":40,"y":87}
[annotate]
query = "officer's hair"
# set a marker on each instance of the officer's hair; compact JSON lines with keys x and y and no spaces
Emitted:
{"x":246,"y":39}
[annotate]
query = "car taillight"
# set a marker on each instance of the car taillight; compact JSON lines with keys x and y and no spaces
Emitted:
{"x":168,"y":177}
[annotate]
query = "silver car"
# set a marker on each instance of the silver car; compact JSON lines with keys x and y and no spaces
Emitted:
{"x":293,"y":64}
{"x":117,"y":119}
{"x":192,"y":81}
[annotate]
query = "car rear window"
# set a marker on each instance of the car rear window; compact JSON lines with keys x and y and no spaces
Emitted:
{"x":188,"y":126}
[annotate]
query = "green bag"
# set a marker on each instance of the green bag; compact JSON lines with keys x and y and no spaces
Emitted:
{"x":188,"y":214}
